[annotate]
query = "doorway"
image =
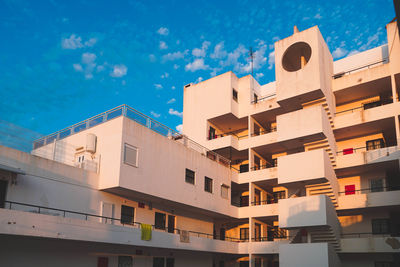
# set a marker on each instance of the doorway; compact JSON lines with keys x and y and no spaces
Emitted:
{"x":3,"y":191}
{"x":171,"y":224}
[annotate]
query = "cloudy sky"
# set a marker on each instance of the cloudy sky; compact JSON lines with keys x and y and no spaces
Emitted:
{"x":64,"y":61}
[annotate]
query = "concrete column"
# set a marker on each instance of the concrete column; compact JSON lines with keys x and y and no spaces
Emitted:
{"x":251,"y":228}
{"x":395,"y":99}
{"x":251,"y":260}
{"x":251,"y":158}
{"x":251,"y":126}
{"x":251,"y":193}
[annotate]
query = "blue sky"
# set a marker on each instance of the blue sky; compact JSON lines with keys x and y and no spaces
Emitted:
{"x":64,"y":61}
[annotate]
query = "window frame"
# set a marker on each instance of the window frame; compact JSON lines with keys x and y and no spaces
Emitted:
{"x":157,"y":226}
{"x":235,"y":95}
{"x":244,"y":234}
{"x":186,"y":176}
{"x":124,"y":216}
{"x":376,"y":224}
{"x":136,"y":165}
{"x":375,"y":188}
{"x":210,"y":187}
{"x":227,"y":190}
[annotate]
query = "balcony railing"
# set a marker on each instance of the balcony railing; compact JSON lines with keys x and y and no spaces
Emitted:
{"x":239,"y":137}
{"x":12,"y":205}
{"x":369,"y":190}
{"x":366,"y":106}
{"x":343,"y":73}
{"x":126,"y":111}
{"x":364,"y":235}
{"x":349,"y":151}
{"x":258,"y":100}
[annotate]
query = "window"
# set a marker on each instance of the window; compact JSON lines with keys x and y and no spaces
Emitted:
{"x":225,"y":191}
{"x":244,"y":234}
{"x":160,"y":219}
{"x":221,"y":264}
{"x":211,"y":133}
{"x":235,"y":95}
{"x":208,"y":184}
{"x":244,"y":168}
{"x":375,"y":144}
{"x":158,"y":262}
{"x":170,"y":262}
{"x":131,"y":155}
{"x":189,"y":177}
{"x":350,"y":189}
{"x":372,"y":104}
{"x":255,"y":98}
{"x":102,"y":262}
{"x":127,"y":214}
{"x":279,"y":195}
{"x":380,"y":226}
{"x":125,"y":261}
{"x":376,"y":185}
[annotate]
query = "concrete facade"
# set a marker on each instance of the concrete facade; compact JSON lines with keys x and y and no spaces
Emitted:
{"x":303,"y":171}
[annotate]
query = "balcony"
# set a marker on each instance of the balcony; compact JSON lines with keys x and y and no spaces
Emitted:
{"x":367,"y":113}
{"x":32,"y":220}
{"x":369,"y":197}
{"x":369,"y":243}
{"x":351,"y":157}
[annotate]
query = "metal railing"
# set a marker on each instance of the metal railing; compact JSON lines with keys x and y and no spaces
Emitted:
{"x":12,"y":205}
{"x":363,"y":235}
{"x":341,"y":74}
{"x":369,"y":190}
{"x":349,"y":151}
{"x":126,"y":111}
{"x":255,"y":101}
{"x":366,"y":106}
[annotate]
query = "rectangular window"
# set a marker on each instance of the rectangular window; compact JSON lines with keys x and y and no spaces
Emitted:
{"x":244,"y":234}
{"x":375,"y":144}
{"x":189,"y":176}
{"x":211,"y":133}
{"x":350,"y":189}
{"x":125,"y":261}
{"x":255,"y":98}
{"x":376,"y":185}
{"x":160,"y":219}
{"x":158,"y":262}
{"x":127,"y":214}
{"x":235,"y":95}
{"x":208,"y":184}
{"x":170,"y":262}
{"x":279,"y":195}
{"x":225,"y":191}
{"x":131,"y":155}
{"x":380,"y":226}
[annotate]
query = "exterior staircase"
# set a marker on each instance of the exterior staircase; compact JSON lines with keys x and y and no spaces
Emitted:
{"x":324,"y":234}
{"x":322,"y":189}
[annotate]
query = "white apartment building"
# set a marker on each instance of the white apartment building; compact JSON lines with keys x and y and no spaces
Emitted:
{"x":303,"y":171}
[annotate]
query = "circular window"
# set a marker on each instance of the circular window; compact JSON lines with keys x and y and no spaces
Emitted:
{"x":296,"y":56}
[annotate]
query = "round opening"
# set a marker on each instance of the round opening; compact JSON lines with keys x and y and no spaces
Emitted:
{"x":296,"y":56}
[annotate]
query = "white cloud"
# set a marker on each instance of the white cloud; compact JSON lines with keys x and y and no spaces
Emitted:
{"x":119,"y":71}
{"x":88,"y":76}
{"x":176,"y":66}
{"x":339,"y":52}
{"x":155,"y":115}
{"x":214,"y":71}
{"x":73,"y":42}
{"x":88,"y":58}
{"x":259,"y":75}
{"x":259,"y":60}
{"x":175,"y":112}
{"x":219,"y":51}
{"x":163,"y":31}
{"x":173,"y":87}
{"x":158,"y":86}
{"x":271,"y":60}
{"x":152,"y":58}
{"x":100,"y":68}
{"x":175,"y":55}
{"x":179,"y":128}
{"x":171,"y":101}
{"x":201,"y":52}
{"x":77,"y":67}
{"x":199,"y":79}
{"x":197,"y":64}
{"x":318,"y":16}
{"x":91,"y":42}
{"x":165,"y":75}
{"x":163,"y":45}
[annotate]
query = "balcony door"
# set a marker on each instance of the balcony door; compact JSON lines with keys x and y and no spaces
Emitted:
{"x":3,"y":191}
{"x":171,"y":224}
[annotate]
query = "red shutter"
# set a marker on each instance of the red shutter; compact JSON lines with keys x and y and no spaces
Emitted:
{"x":348,"y":151}
{"x":350,"y":189}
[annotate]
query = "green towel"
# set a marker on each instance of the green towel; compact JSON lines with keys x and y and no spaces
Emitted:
{"x":146,"y":231}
